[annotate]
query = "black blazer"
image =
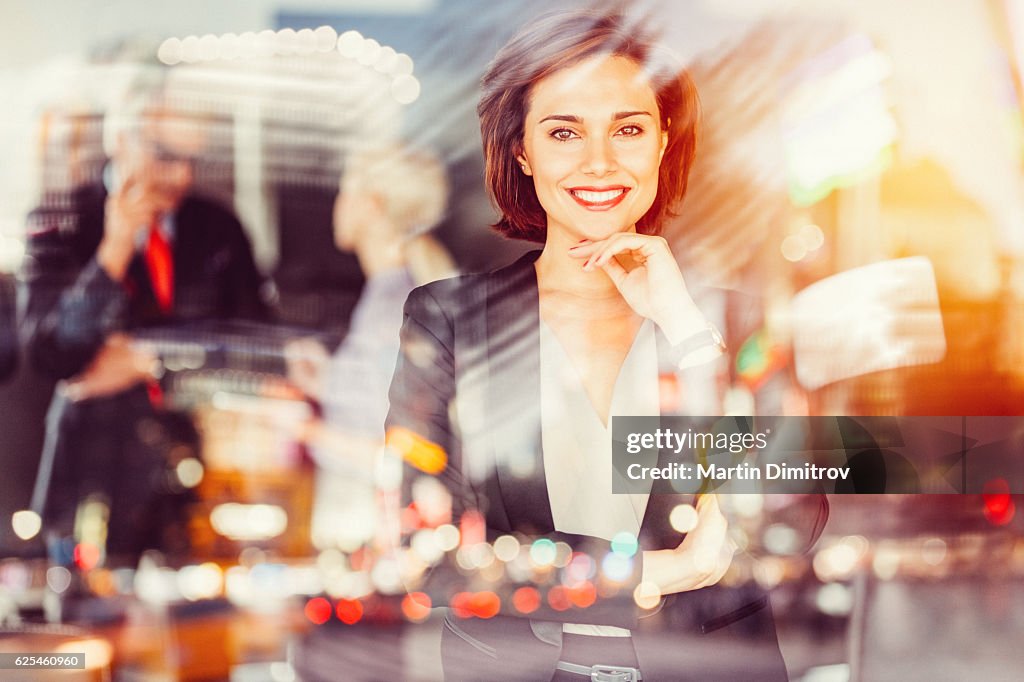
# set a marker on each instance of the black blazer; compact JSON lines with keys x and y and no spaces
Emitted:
{"x":470,"y":349}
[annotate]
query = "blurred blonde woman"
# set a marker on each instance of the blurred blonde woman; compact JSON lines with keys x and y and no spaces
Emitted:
{"x":389,"y":200}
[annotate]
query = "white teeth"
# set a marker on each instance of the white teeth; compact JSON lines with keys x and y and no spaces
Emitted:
{"x":597,"y":197}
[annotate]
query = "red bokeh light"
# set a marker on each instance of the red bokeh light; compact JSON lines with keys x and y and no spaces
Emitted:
{"x":86,"y":556}
{"x":1000,"y":512}
{"x":460,"y":604}
{"x":318,"y":610}
{"x":485,"y":604}
{"x":558,"y":598}
{"x":480,"y":604}
{"x":999,"y":508}
{"x":416,"y":606}
{"x":526,"y":599}
{"x":349,"y":611}
{"x":583,"y":595}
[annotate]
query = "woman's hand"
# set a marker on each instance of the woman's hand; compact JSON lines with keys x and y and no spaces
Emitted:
{"x":646,"y":274}
{"x":700,"y":560}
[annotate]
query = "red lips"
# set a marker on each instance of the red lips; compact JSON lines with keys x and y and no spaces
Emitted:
{"x":598,"y":198}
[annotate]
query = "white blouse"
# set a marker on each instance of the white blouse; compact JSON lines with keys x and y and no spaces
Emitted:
{"x":578,"y":446}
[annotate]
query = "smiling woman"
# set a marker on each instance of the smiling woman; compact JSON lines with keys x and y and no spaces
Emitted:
{"x":594,"y":167}
{"x":589,"y":132}
{"x":570,"y":47}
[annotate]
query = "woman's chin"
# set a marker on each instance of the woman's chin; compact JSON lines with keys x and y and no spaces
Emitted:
{"x":593,"y":226}
{"x":599,"y":231}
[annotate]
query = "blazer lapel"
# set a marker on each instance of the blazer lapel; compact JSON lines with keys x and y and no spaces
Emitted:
{"x":512,"y":394}
{"x":507,"y":384}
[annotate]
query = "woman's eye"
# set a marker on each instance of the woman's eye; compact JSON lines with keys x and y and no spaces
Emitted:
{"x":562,"y":134}
{"x":630,"y":130}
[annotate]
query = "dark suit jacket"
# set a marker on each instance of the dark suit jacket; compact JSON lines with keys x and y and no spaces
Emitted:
{"x":72,"y":306}
{"x":471,"y":349}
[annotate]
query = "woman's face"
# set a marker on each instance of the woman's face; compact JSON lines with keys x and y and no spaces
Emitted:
{"x":592,"y":141}
{"x":354,"y":213}
{"x":346,"y":218}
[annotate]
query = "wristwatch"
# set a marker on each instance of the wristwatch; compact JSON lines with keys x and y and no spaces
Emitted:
{"x":702,"y":347}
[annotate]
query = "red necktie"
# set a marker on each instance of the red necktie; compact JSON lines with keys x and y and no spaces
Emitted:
{"x":161,"y":267}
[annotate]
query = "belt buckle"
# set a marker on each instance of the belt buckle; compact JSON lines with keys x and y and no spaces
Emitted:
{"x":613,"y":673}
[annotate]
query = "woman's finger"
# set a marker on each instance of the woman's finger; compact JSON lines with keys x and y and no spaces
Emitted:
{"x":646,"y":245}
{"x":608,"y":246}
{"x":612,"y":244}
{"x":615,"y":272}
{"x":585,"y":248}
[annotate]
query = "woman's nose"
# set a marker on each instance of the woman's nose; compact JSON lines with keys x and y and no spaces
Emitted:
{"x":600,"y":157}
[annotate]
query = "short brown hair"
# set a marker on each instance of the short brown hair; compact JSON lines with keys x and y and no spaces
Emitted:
{"x":549,"y":44}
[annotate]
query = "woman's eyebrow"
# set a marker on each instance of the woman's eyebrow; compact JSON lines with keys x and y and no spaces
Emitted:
{"x":562,"y":117}
{"x":627,"y":114}
{"x":572,"y":118}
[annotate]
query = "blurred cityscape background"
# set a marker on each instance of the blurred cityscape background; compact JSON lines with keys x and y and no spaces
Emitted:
{"x":859,"y":192}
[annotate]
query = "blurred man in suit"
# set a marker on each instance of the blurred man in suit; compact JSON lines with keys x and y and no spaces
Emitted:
{"x":140,"y":250}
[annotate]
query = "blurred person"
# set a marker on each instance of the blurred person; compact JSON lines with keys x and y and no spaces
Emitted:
{"x":142,"y":249}
{"x":509,"y":380}
{"x":389,"y":198}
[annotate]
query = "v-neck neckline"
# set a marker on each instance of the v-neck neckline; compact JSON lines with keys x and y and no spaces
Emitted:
{"x":510,"y":333}
{"x":579,"y":386}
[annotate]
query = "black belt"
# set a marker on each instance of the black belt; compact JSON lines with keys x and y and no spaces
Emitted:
{"x":601,"y":673}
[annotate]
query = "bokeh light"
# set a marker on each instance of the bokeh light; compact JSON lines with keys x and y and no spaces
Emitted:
{"x":526,"y":599}
{"x":349,"y":611}
{"x":683,"y":518}
{"x":543,"y":552}
{"x":647,"y":595}
{"x":26,"y":524}
{"x":318,"y":610}
{"x":625,"y":544}
{"x":416,"y":606}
